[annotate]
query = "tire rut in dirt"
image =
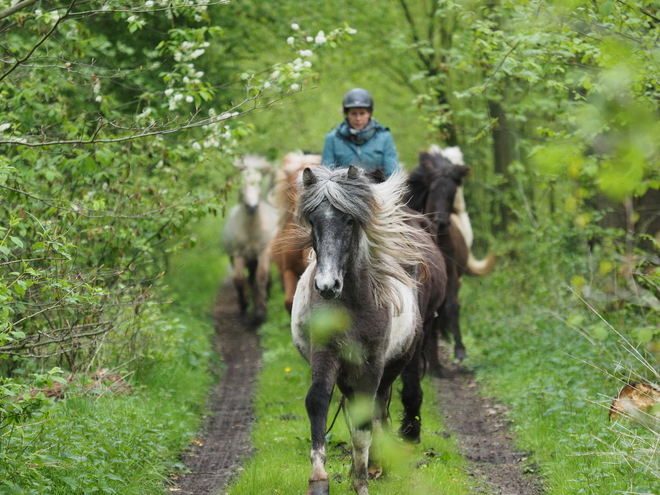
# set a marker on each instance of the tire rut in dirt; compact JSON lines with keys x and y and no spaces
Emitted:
{"x":225,"y":443}
{"x":483,"y":435}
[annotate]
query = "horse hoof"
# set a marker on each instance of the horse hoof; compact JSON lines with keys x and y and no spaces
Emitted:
{"x":259,"y":317}
{"x":319,"y":487}
{"x":410,"y":436}
{"x":459,"y":354}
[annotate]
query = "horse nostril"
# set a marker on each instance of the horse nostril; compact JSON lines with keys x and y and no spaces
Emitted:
{"x":327,"y":291}
{"x":251,"y":209}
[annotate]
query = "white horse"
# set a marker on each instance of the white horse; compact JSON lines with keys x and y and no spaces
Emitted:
{"x":249,"y":228}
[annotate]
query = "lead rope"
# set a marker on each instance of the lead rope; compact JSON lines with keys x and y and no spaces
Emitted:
{"x":339,"y":408}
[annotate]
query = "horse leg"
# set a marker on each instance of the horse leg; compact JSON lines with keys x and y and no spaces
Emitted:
{"x":240,"y":283}
{"x":261,"y":285}
{"x":380,"y":424}
{"x":361,"y":437}
{"x":431,"y":342}
{"x":411,"y":397}
{"x":452,"y":313}
{"x":317,"y":402}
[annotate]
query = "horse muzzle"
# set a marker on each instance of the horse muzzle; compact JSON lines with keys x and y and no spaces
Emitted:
{"x":251,"y":209}
{"x":442,"y":222}
{"x":328,"y":288}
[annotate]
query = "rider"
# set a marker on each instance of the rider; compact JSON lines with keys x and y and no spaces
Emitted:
{"x":359,"y":140}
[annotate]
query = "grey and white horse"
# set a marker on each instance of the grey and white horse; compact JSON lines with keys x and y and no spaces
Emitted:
{"x":361,"y":308}
{"x":250,"y":226}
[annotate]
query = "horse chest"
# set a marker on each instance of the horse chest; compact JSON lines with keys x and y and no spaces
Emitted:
{"x":391,"y":333}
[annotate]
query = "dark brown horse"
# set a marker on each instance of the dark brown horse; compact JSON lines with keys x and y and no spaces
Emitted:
{"x":435,"y":189}
{"x":362,"y":307}
{"x":289,"y":256}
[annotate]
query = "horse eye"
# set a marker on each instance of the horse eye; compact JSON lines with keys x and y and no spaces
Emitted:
{"x":350,"y":222}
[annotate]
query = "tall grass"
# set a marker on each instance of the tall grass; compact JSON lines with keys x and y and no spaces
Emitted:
{"x":541,"y":350}
{"x":109,"y":443}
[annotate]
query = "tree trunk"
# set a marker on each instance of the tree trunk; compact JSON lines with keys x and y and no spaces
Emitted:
{"x":502,"y":158}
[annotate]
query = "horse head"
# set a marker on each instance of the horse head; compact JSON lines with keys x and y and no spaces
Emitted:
{"x":442,"y":179}
{"x":335,"y":221}
{"x":252,"y":169}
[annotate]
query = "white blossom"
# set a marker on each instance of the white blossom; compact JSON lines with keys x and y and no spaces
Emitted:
{"x":197,"y":53}
{"x":190,"y":99}
{"x":306,"y":53}
{"x":309,"y":39}
{"x":295,"y":87}
{"x":5,"y":126}
{"x":295,"y":26}
{"x":99,"y":99}
{"x":290,"y":40}
{"x":196,"y":146}
{"x":169,"y":91}
{"x":320,"y":38}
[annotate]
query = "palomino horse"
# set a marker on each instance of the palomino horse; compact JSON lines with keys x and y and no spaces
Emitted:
{"x":249,"y":228}
{"x":291,"y":258}
{"x":361,"y":307}
{"x":435,"y":188}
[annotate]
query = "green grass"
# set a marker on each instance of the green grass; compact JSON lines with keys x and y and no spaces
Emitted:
{"x":557,"y":379}
{"x":109,"y":443}
{"x":282,"y":440}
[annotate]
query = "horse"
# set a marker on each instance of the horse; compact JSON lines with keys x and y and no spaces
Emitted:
{"x":435,"y":188}
{"x":290,"y":258}
{"x":361,"y":308}
{"x":250,"y":226}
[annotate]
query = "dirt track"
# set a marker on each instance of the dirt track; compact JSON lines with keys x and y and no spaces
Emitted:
{"x":479,"y":425}
{"x":224,"y":442}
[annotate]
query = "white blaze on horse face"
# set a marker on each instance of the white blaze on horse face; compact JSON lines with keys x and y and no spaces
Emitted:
{"x":331,"y":256}
{"x":402,"y":330}
{"x":251,"y":189}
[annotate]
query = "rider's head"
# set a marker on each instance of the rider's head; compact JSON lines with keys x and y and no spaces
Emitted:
{"x":358,"y":107}
{"x":358,"y":98}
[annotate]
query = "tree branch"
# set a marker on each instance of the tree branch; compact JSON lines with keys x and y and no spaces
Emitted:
{"x":41,"y":42}
{"x":16,"y":8}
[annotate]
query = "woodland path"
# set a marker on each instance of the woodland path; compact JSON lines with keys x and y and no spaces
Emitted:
{"x":479,"y":425}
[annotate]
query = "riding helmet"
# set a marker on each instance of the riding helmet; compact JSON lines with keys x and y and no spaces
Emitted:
{"x":358,"y":98}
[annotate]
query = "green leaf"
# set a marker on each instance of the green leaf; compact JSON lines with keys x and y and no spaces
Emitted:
{"x":600,"y":331}
{"x":16,"y":241}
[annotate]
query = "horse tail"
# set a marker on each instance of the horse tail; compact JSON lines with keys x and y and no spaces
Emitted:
{"x":480,"y":267}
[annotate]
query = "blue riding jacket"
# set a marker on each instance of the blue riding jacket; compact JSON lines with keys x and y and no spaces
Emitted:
{"x":370,"y":148}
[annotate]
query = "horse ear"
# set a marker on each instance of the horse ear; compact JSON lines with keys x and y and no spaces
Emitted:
{"x":308,"y":177}
{"x":353,"y":172}
{"x":376,"y":176}
{"x":426,"y":161}
{"x":458,"y":172}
